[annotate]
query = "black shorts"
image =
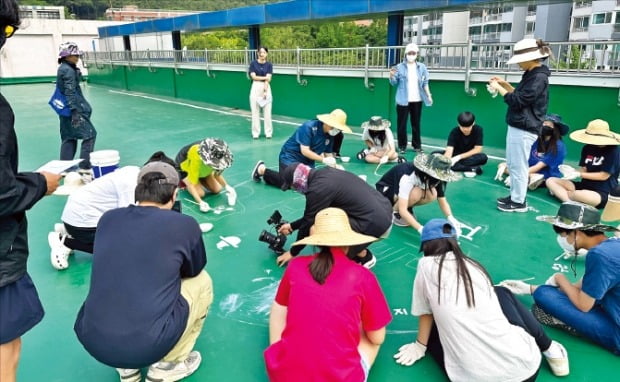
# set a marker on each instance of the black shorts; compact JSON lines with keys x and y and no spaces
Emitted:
{"x":603,"y":195}
{"x":21,"y":309}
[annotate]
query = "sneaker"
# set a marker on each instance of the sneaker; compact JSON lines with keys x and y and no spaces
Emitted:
{"x":504,"y":200}
{"x":170,"y":371}
{"x":419,"y":150}
{"x":255,"y":174}
{"x":401,"y":159}
{"x":367,"y":261}
{"x":512,"y":207}
{"x":516,"y":286}
{"x":557,"y":358}
{"x":60,"y":229}
{"x":59,"y":254}
{"x":402,"y":150}
{"x":362,"y":154}
{"x":469,"y":174}
{"x":547,"y":319}
{"x":130,"y":375}
{"x":398,"y":220}
{"x":477,"y":170}
{"x":535,"y":181}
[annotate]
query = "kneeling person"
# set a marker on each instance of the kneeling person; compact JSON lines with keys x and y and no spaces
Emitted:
{"x":149,"y":292}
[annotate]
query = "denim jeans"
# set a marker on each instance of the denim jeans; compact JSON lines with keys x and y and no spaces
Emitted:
{"x":518,"y":145}
{"x":596,"y":324}
{"x":68,"y":147}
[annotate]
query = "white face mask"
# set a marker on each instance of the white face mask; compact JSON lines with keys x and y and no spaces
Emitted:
{"x":333,"y":132}
{"x":565,"y":245}
{"x":411,"y":58}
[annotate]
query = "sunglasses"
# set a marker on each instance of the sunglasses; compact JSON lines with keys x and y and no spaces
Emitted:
{"x":10,"y":30}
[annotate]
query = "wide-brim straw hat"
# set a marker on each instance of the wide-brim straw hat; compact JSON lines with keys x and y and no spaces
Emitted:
{"x":337,"y":119}
{"x":436,"y":165}
{"x":528,"y":50}
{"x":332,"y":229}
{"x":574,"y":215}
{"x":611,"y":212}
{"x":376,"y":123}
{"x":71,"y":182}
{"x":596,"y":133}
{"x":215,"y":153}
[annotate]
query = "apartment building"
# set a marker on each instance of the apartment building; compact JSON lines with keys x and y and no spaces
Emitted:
{"x":41,"y":12}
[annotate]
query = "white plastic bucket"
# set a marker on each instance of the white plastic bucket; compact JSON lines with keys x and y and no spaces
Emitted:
{"x":104,"y":162}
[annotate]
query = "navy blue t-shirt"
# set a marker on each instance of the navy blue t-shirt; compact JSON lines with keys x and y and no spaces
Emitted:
{"x":600,"y":158}
{"x":261,"y":69}
{"x":309,"y":134}
{"x":601,"y":279}
{"x":134,"y":313}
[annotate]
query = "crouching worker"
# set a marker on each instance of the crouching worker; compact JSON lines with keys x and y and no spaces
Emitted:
{"x":312,"y":341}
{"x":149,"y":293}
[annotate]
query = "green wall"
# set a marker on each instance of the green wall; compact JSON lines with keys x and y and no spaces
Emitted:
{"x":576,"y":104}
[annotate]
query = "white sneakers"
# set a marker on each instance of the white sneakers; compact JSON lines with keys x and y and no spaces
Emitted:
{"x":535,"y":181}
{"x":170,"y":372}
{"x":130,"y":375}
{"x":59,"y":254}
{"x":557,"y":357}
{"x":517,"y":287}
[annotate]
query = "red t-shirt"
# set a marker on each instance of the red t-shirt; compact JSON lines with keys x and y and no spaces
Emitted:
{"x":323,"y":322}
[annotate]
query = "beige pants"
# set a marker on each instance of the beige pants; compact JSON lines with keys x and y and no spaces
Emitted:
{"x":198,"y":292}
{"x":256,"y":93}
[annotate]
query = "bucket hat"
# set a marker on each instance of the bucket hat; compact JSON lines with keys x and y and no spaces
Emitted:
{"x":529,"y":49}
{"x":437,"y":166}
{"x":288,"y":175}
{"x":557,"y":122}
{"x":169,"y":172}
{"x":611,"y":212}
{"x":596,"y":133}
{"x":69,"y":48}
{"x":574,"y":215}
{"x":412,"y":47}
{"x":337,"y":119}
{"x":71,"y":182}
{"x":376,"y":123}
{"x":332,"y":228}
{"x":214,"y":152}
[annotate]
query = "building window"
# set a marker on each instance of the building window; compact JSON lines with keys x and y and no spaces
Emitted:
{"x":475,"y":30}
{"x":601,"y":18}
{"x":531,"y":9}
{"x":583,"y":4}
{"x":506,"y":27}
{"x":581,"y":24}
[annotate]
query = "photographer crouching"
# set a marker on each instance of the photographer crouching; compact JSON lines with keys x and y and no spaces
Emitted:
{"x":369,"y":212}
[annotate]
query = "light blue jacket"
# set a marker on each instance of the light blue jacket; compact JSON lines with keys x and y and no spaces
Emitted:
{"x":400,"y":80}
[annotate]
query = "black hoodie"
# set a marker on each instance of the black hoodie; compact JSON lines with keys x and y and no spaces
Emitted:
{"x":527,"y":104}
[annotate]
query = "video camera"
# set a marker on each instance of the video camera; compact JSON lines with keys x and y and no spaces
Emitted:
{"x":276,"y":241}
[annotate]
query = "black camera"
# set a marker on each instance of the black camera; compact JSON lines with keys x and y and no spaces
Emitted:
{"x":276,"y":241}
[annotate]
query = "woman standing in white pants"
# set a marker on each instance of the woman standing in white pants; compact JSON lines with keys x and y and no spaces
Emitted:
{"x":260,"y":94}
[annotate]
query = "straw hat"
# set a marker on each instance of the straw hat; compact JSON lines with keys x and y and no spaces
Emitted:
{"x":557,"y":122}
{"x":72,"y":181}
{"x":376,"y":123}
{"x":437,"y":166}
{"x":596,"y":133}
{"x":214,"y":152}
{"x":332,"y":229}
{"x":337,"y":119}
{"x":529,"y":49}
{"x":574,"y":215}
{"x":612,"y":208}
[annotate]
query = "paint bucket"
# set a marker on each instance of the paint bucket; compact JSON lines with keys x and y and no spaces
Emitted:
{"x":104,"y":162}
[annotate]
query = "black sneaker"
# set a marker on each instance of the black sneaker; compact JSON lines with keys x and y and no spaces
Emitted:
{"x":504,"y":200}
{"x":361,"y":155}
{"x":547,"y":319}
{"x":367,"y":261}
{"x":255,"y":175}
{"x":477,"y":170}
{"x":401,"y":159}
{"x":512,"y":207}
{"x":402,"y":150}
{"x":398,"y":220}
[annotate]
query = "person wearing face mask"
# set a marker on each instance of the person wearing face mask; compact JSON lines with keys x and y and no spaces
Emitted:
{"x":368,"y":211}
{"x":589,"y":307}
{"x":411,"y":80}
{"x":261,"y":72}
{"x":312,"y":142}
{"x":546,"y":154}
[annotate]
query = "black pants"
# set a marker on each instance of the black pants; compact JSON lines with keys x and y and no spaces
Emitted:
{"x":517,"y":315}
{"x":414,"y":111}
{"x":274,"y":178}
{"x":338,"y":138}
{"x":82,"y":239}
{"x":470,"y":163}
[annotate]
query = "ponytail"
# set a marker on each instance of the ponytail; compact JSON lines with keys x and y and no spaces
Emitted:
{"x":322,"y":265}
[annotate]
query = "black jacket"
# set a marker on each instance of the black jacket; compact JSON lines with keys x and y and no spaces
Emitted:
{"x":527,"y":104}
{"x":370,"y":213}
{"x":18,"y":193}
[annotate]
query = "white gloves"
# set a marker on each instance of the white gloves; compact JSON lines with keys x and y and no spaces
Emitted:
{"x":456,"y":224}
{"x":501,"y":169}
{"x":551,"y":281}
{"x":408,"y":354}
{"x":329,"y":161}
{"x":204,"y":206}
{"x":507,"y":181}
{"x":232,"y":195}
{"x":455,"y":159}
{"x":420,"y":230}
{"x":516,"y":286}
{"x":568,"y":172}
{"x":492,"y":91}
{"x":383,"y":160}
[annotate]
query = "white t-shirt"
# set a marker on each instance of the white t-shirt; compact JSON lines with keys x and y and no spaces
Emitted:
{"x":479,"y":343}
{"x":389,"y":140}
{"x":413,"y":89}
{"x":114,"y":190}
{"x":407,"y":183}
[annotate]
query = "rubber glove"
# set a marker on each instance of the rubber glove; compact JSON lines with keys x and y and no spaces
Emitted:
{"x":384,"y":159}
{"x":408,"y":354}
{"x":204,"y":206}
{"x":76,"y":119}
{"x":551,"y":281}
{"x":232,"y":195}
{"x":501,"y":168}
{"x":420,"y":230}
{"x":569,"y":172}
{"x":507,"y":181}
{"x":455,"y":159}
{"x":329,"y":161}
{"x":456,"y":224}
{"x":516,"y":286}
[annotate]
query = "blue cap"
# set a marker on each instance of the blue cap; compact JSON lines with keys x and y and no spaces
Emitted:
{"x":434,"y":230}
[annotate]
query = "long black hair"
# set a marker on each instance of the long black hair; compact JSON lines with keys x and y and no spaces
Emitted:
{"x":377,"y":134}
{"x":439,"y":248}
{"x":551,"y":145}
{"x":321,"y":266}
{"x":427,"y":180}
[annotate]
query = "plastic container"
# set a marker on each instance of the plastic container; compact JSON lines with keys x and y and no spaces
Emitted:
{"x":104,"y":162}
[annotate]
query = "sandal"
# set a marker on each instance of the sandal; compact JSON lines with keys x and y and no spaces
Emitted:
{"x":362,"y":154}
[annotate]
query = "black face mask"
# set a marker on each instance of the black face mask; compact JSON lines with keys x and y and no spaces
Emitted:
{"x":546,"y":131}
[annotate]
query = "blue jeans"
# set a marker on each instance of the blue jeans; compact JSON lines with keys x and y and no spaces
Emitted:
{"x":596,"y":324}
{"x":518,"y":145}
{"x":68,"y":147}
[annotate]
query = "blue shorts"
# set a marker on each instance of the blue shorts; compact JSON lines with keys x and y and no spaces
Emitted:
{"x":21,"y":309}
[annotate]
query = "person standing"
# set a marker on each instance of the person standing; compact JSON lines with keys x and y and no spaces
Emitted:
{"x":78,"y":125}
{"x":411,"y":80}
{"x":527,"y":107}
{"x":21,"y":308}
{"x":261,"y":72}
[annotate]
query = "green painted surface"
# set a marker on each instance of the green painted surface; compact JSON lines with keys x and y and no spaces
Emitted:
{"x":234,"y":336}
{"x":26,"y":80}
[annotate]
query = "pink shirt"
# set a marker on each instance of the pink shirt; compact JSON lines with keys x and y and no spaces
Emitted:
{"x":323,"y":322}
